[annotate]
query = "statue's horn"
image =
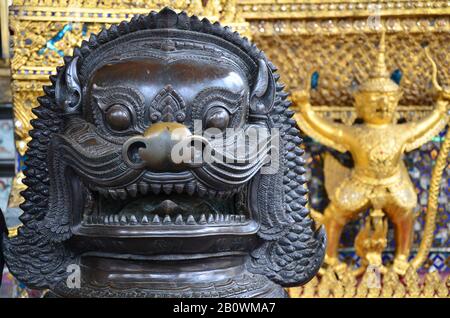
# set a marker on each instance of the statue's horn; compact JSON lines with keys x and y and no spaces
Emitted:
{"x":263,"y":94}
{"x":68,"y":89}
{"x":262,"y":79}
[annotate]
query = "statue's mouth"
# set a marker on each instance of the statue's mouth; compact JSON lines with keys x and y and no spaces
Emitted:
{"x":146,"y":209}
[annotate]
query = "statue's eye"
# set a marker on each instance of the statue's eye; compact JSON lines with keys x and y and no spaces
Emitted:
{"x":118,"y":117}
{"x":217,"y":117}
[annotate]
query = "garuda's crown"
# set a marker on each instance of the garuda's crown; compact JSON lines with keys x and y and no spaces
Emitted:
{"x":379,"y":79}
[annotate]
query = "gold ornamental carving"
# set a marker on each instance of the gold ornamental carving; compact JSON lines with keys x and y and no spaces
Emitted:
{"x":343,"y":284}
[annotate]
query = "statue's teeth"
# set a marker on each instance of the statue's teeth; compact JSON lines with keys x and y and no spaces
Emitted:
{"x":132,"y":190}
{"x":190,"y":220}
{"x":179,"y":188}
{"x":202,"y":219}
{"x":133,"y":220}
{"x":104,"y":192}
{"x":179,"y":220}
{"x":113,"y":194}
{"x":116,"y":219}
{"x":122,"y":193}
{"x":156,"y":219}
{"x":190,"y":188}
{"x":89,"y":210}
{"x":167,"y":220}
{"x":156,"y":188}
{"x":221,"y":194}
{"x":201,"y":190}
{"x":167,"y":188}
{"x":228,"y":195}
{"x":212,"y":193}
{"x":143,"y":187}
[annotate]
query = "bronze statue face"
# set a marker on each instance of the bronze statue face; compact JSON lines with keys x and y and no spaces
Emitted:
{"x":107,"y":194}
{"x":136,"y":110}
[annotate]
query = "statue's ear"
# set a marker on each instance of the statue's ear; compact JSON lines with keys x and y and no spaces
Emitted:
{"x":263,"y":92}
{"x":68,"y":89}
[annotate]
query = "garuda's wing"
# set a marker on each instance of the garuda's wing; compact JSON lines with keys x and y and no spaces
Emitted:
{"x":420,"y":140}
{"x":310,"y":131}
{"x":334,"y":173}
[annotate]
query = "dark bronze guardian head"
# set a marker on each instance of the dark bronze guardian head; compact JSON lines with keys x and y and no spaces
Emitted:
{"x":106,"y":193}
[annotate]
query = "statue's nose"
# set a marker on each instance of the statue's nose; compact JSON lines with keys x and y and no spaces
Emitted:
{"x":165,"y":146}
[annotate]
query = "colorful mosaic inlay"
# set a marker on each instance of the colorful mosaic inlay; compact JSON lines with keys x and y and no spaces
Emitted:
{"x":7,"y":148}
{"x":11,"y":288}
{"x":7,"y":151}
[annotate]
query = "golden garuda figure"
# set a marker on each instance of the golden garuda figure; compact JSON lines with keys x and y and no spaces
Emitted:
{"x":379,"y":180}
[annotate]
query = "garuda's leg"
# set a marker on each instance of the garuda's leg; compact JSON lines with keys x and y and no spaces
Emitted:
{"x":403,"y":220}
{"x":334,"y":221}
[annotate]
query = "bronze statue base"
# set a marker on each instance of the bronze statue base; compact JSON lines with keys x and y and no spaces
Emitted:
{"x":220,"y":276}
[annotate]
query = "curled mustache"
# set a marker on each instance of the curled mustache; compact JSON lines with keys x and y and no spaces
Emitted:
{"x":230,"y":161}
{"x":235,"y":159}
{"x":92,"y":157}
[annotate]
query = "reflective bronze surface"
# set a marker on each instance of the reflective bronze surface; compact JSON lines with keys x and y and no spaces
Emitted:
{"x":106,"y":194}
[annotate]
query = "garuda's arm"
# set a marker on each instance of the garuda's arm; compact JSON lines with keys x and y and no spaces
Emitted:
{"x":422,"y":131}
{"x":333,"y":135}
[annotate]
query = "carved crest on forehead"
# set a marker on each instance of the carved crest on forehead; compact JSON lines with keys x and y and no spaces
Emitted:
{"x":167,"y":106}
